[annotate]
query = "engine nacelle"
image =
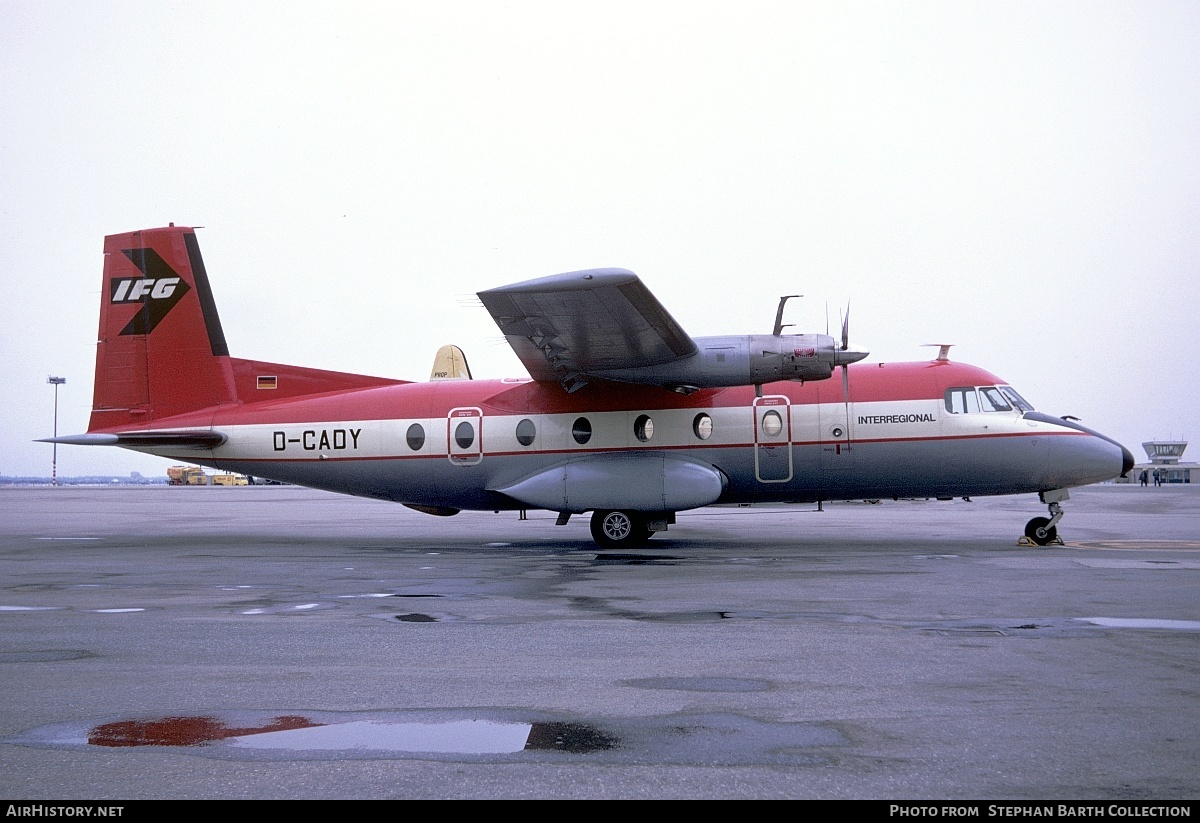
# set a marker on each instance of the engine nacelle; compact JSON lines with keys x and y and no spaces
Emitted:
{"x":745,"y":360}
{"x":790,"y":357}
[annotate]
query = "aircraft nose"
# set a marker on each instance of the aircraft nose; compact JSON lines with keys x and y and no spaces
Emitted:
{"x":1127,"y":461}
{"x":1084,"y":460}
{"x":1093,"y":458}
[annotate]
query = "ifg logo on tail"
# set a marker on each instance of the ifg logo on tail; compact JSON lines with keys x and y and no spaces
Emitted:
{"x":138,"y":290}
{"x":157,"y":290}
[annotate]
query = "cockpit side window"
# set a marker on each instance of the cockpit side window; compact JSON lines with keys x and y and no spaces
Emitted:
{"x":993,"y":400}
{"x":1019,"y":402}
{"x":962,"y":400}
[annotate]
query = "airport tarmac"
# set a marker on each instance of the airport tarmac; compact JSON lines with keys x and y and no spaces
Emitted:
{"x":277,"y":642}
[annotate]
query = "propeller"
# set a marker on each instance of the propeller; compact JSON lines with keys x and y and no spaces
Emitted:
{"x":845,"y":363}
{"x":813,"y":357}
{"x":844,"y":356}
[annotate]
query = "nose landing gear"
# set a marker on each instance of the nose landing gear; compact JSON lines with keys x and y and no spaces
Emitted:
{"x":1041,"y":531}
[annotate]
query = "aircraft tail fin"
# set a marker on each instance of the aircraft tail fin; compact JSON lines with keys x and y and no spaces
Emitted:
{"x":161,"y":349}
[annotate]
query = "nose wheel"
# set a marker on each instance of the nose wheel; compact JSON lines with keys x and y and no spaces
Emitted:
{"x":1042,"y":531}
{"x":1039,"y":531}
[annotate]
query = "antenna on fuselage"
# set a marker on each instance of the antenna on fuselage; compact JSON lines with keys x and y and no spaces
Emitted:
{"x":943,"y":351}
{"x":779,"y":324}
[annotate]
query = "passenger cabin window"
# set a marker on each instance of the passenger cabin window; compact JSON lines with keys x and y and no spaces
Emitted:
{"x":526,"y":432}
{"x":772,"y":423}
{"x":464,"y":435}
{"x":581,"y":430}
{"x":415,"y":437}
{"x":643,"y":428}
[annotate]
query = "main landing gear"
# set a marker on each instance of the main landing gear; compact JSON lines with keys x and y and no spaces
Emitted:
{"x":620,"y":529}
{"x":1042,"y":531}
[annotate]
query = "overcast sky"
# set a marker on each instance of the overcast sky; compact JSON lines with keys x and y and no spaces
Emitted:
{"x":1020,"y":179}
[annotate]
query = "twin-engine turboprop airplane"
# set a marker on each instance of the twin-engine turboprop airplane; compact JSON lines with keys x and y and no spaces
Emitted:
{"x":626,"y":416}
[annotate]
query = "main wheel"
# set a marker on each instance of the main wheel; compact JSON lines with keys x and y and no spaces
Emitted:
{"x":619,"y":529}
{"x":1040,"y":531}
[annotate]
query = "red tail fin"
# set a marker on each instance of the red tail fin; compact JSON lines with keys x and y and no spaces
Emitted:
{"x":161,"y":349}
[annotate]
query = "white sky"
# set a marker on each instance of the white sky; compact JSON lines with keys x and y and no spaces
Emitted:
{"x":1020,"y":179}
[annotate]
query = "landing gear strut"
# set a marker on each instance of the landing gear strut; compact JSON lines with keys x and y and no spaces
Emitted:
{"x":1041,"y":530}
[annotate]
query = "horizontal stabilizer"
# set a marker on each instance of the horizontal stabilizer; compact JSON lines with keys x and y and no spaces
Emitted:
{"x":134,"y":440}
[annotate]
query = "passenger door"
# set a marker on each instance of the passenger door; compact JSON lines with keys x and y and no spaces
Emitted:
{"x":772,"y":439}
{"x":464,"y":436}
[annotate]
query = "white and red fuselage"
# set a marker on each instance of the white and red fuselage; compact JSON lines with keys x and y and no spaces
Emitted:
{"x":452,"y":443}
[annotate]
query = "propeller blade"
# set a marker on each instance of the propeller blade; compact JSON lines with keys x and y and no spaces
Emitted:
{"x":846,"y":398}
{"x":846,"y":329}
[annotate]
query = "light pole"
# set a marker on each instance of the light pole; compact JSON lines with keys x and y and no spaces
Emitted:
{"x":56,"y":382}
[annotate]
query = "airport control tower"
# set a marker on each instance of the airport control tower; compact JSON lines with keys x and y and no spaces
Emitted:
{"x":1165,"y":459}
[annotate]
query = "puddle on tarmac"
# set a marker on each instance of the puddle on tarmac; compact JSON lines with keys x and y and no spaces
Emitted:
{"x":501,"y":735}
{"x":626,"y":559}
{"x":183,"y":731}
{"x":292,"y":608}
{"x":416,"y":617}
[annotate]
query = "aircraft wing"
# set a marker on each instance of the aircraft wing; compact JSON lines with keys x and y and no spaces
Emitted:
{"x":567,"y":327}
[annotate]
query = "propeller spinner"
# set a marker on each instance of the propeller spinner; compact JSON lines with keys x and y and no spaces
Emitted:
{"x":845,"y":355}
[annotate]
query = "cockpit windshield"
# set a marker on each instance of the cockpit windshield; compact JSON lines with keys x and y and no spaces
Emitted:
{"x":992,"y":400}
{"x":974,"y":399}
{"x":1019,"y":402}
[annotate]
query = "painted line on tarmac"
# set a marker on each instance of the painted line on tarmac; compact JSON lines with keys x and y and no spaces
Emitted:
{"x":1136,"y":545}
{"x":1143,"y":623}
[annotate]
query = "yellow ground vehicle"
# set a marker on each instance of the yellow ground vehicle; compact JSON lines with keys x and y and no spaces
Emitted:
{"x":186,"y":476}
{"x":229,"y":480}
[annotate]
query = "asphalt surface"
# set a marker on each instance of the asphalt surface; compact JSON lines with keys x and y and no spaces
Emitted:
{"x":275,"y":642}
